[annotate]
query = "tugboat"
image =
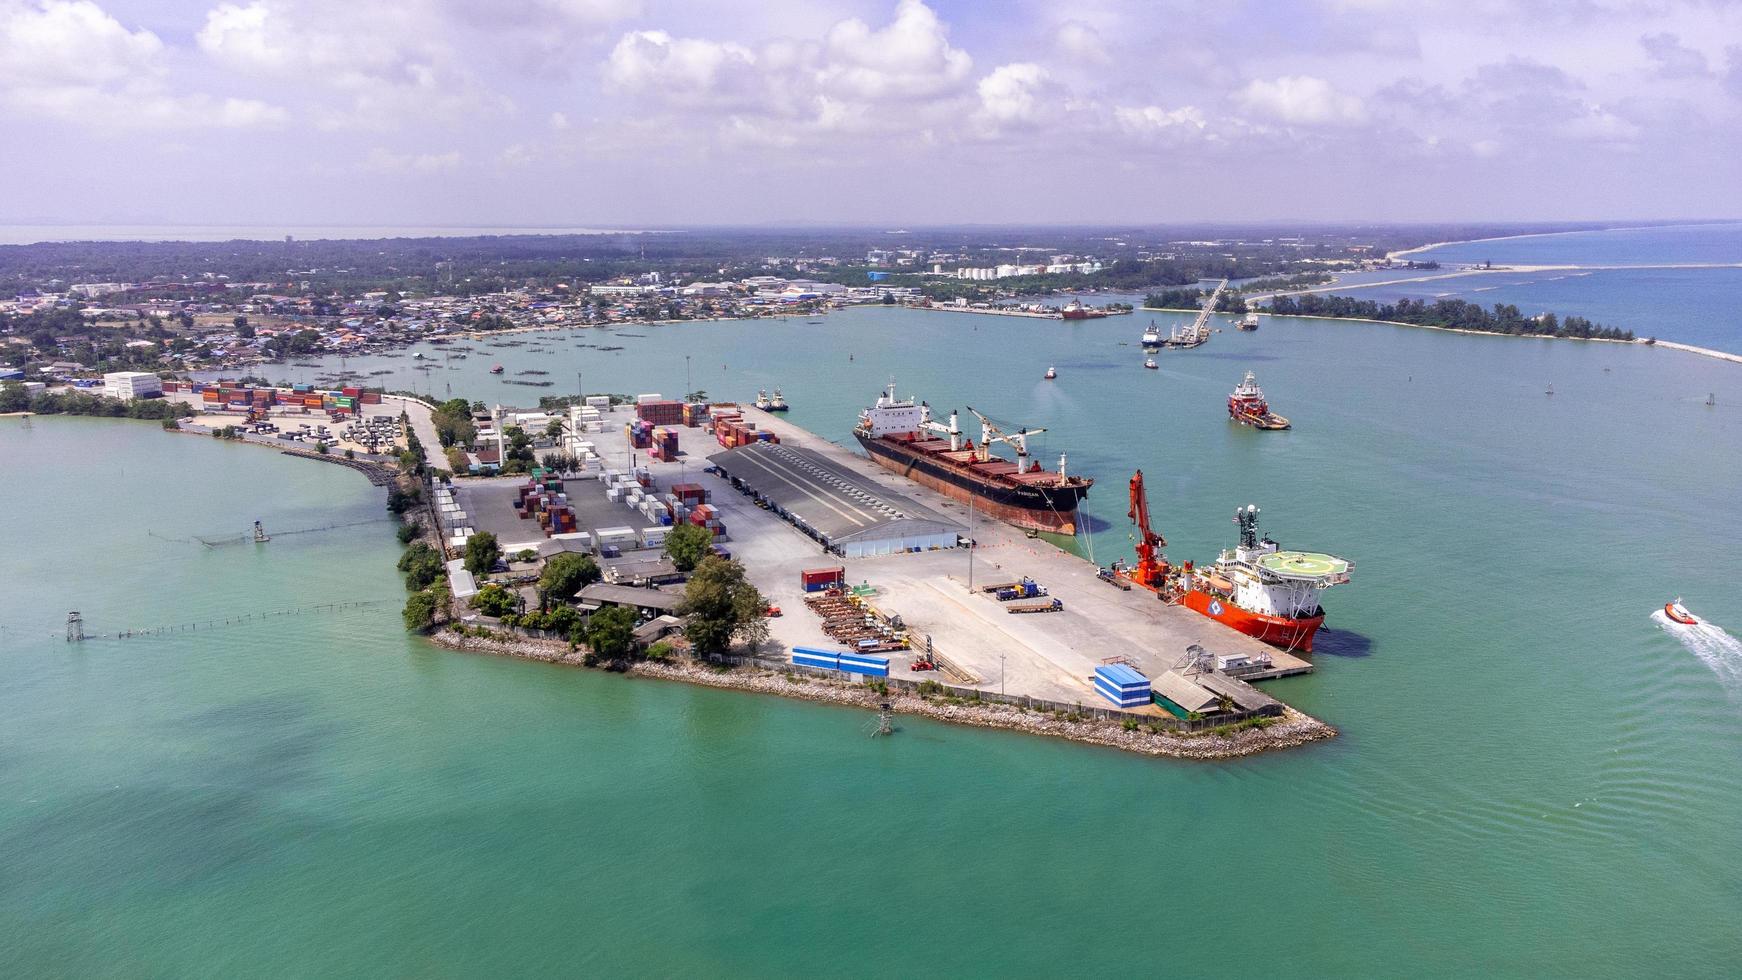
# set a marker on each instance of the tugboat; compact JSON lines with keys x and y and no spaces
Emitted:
{"x":1075,"y":310}
{"x":1149,"y":362}
{"x":1249,"y":322}
{"x":497,"y":369}
{"x":1678,"y":613}
{"x":1151,"y":337}
{"x":778,"y":402}
{"x":1051,"y":373}
{"x":1247,"y":406}
{"x":762,"y":401}
{"x":1263,"y":591}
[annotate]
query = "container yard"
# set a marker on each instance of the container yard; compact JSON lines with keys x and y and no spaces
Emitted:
{"x":866,"y":563}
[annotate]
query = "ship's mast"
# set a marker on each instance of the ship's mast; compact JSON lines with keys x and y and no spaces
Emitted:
{"x":1247,"y":518}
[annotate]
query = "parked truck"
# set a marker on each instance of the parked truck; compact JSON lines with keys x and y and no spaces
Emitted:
{"x":1026,"y":589}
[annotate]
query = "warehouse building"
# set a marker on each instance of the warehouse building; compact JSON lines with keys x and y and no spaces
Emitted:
{"x":128,"y":385}
{"x":844,"y":512}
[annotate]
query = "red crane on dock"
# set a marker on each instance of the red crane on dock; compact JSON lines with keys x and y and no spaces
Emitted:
{"x":1152,"y":567}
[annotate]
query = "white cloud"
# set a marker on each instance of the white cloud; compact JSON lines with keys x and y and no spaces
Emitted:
{"x":1078,"y":41}
{"x":686,"y":70}
{"x":71,"y":43}
{"x":1011,"y":94}
{"x":855,"y":80}
{"x":389,"y":63}
{"x":1300,"y":100}
{"x":1151,"y":120}
{"x":911,"y":58}
{"x":70,"y":60}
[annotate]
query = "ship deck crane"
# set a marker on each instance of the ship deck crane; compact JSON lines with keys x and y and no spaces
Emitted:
{"x":991,"y":433}
{"x":1152,"y":567}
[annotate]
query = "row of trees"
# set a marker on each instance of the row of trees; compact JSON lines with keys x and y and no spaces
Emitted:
{"x":14,"y":399}
{"x":1453,"y":313}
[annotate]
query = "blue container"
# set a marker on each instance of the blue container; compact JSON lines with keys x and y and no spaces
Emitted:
{"x":865,"y":663}
{"x":1122,"y":685}
{"x":814,"y":657}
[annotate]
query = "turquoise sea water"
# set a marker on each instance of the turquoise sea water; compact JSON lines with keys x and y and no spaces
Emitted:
{"x":1695,"y":306}
{"x":1534,"y":779}
{"x":1719,"y":242}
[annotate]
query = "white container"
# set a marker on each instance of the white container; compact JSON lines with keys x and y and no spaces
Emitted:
{"x":652,"y":396}
{"x":600,"y":402}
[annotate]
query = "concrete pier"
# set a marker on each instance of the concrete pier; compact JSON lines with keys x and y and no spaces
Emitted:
{"x":1051,"y":655}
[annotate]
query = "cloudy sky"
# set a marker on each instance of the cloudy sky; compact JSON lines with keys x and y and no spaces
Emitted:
{"x":652,"y":112}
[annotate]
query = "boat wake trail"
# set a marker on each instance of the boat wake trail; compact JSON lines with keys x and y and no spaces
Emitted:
{"x":1716,"y":649}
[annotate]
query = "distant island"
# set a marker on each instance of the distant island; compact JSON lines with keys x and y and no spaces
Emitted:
{"x":1446,"y":314}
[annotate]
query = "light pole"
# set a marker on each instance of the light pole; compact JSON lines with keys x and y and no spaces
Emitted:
{"x":971,"y":542}
{"x":1001,"y":675}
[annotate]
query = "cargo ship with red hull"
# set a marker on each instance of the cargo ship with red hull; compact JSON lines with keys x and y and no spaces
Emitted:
{"x":900,"y":435}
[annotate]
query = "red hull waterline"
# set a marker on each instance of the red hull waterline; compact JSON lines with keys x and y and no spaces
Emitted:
{"x":1290,"y":634}
{"x":1023,"y":517}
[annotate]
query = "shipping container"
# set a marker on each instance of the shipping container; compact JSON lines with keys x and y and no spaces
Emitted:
{"x":819,"y":579}
{"x":815,"y":657}
{"x":870,"y":665}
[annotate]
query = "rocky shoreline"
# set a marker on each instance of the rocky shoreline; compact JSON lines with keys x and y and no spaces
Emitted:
{"x":1292,"y":730}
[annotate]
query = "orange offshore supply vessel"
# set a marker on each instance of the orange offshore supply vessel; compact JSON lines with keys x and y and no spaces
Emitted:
{"x":902,"y":436}
{"x":1257,"y":588}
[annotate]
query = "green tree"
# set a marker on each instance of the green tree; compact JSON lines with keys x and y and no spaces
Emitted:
{"x":611,"y":634}
{"x":421,"y":564}
{"x":722,"y":606}
{"x":13,"y":398}
{"x":482,"y":551}
{"x":426,"y":608}
{"x":563,"y":576}
{"x":403,"y":498}
{"x":494,"y":600}
{"x":687,"y":545}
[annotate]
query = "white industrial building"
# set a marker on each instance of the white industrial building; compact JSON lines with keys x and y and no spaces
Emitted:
{"x":128,"y":385}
